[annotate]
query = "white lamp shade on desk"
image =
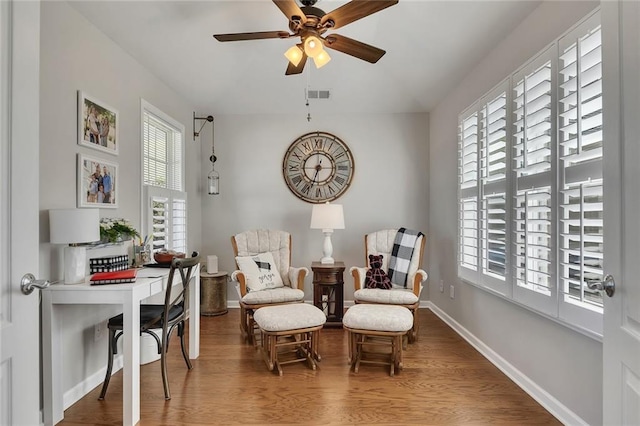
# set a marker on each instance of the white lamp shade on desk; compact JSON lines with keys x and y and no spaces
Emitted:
{"x":327,"y":217}
{"x":74,"y":226}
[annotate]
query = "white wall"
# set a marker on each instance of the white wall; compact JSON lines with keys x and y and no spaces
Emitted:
{"x":563,"y":363}
{"x":388,"y":189}
{"x":75,"y":56}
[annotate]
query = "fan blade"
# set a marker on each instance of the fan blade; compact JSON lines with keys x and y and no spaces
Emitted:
{"x":354,"y":48}
{"x":252,"y":36}
{"x":293,"y":69}
{"x":354,"y":10}
{"x":291,"y":10}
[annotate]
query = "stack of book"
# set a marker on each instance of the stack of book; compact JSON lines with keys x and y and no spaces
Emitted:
{"x":116,"y":277}
{"x":109,"y":263}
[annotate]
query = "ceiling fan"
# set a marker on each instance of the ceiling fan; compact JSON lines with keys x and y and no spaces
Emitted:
{"x":310,"y":23}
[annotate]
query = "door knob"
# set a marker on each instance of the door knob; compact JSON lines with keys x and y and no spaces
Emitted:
{"x":28,"y":283}
{"x":607,"y":285}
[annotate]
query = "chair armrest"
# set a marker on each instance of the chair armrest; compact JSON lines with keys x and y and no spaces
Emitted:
{"x":297,"y":276}
{"x":359,"y":274}
{"x":239,"y":277}
{"x":420,"y":277}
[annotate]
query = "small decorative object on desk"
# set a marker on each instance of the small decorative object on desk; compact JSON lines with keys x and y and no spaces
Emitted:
{"x":140,"y":256}
{"x":113,"y":230}
{"x":117,"y":277}
{"x":165,"y":257}
{"x":108,"y":263}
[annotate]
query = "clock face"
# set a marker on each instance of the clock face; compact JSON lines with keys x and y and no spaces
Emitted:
{"x":318,"y":167}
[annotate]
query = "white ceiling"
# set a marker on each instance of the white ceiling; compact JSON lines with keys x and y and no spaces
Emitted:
{"x":431,"y":46}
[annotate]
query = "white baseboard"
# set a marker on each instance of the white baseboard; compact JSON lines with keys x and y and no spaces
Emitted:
{"x":77,"y":392}
{"x":551,"y":404}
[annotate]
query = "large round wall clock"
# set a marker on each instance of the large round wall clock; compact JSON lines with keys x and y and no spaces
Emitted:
{"x":318,"y":167}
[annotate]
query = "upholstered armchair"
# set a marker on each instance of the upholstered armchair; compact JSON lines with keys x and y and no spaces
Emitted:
{"x":406,"y":293}
{"x":262,"y":247}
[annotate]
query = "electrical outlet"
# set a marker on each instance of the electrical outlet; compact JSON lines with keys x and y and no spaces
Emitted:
{"x":441,"y":286}
{"x":452,"y":292}
{"x":98,"y":331}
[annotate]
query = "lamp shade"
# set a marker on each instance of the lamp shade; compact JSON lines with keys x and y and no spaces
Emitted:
{"x":312,"y":46}
{"x":73,"y":226}
{"x":321,"y":59}
{"x":294,"y":55}
{"x":327,"y":216}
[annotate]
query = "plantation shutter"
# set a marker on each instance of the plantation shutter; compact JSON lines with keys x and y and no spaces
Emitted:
{"x":532,"y":159}
{"x":468,"y":193}
{"x":581,"y":179}
{"x":179,"y":225}
{"x":493,"y":135}
{"x":160,"y":220}
{"x":530,"y":182}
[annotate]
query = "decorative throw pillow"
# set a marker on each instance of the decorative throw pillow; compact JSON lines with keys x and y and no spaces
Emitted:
{"x":376,"y":277}
{"x":260,"y":271}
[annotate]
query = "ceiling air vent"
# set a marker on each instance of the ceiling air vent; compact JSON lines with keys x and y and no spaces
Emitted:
{"x":318,"y":94}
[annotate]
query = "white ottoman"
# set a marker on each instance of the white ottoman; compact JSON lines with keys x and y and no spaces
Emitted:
{"x":371,"y":325}
{"x":294,"y":327}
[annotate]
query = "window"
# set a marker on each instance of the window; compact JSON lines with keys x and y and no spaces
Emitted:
{"x":163,"y":172}
{"x":483,"y":202}
{"x":530,"y":182}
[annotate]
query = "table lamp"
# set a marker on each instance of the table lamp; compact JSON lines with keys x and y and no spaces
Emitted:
{"x":73,"y":227}
{"x":327,"y":217}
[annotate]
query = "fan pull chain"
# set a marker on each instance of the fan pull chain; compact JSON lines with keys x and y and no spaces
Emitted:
{"x":306,"y":94}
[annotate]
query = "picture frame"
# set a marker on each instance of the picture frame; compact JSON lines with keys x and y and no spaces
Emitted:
{"x":97,"y":182}
{"x":97,"y":124}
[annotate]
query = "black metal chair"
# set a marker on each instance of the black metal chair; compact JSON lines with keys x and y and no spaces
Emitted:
{"x":175,"y":311}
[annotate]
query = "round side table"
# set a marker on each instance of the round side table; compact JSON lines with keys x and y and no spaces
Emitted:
{"x":213,"y":293}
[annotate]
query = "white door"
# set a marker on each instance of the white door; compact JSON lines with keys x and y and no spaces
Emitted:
{"x":19,"y":145}
{"x":621,"y":342}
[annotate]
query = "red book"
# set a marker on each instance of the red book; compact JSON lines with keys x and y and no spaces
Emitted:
{"x":115,"y":277}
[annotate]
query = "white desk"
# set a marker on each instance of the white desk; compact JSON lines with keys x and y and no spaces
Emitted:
{"x":129,"y":297}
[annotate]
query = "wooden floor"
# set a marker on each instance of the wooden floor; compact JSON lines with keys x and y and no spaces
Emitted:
{"x":444,"y":381}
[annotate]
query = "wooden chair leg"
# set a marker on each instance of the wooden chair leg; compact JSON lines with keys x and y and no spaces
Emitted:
{"x":251,"y":329}
{"x":243,"y":321}
{"x":107,"y":377}
{"x":413,"y":333}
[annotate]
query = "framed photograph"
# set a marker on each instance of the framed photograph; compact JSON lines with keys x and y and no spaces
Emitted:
{"x":97,"y":183}
{"x":97,"y":124}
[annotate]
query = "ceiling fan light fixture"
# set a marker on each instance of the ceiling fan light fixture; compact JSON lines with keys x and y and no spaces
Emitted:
{"x":294,"y":55}
{"x":321,"y":59}
{"x":313,"y":46}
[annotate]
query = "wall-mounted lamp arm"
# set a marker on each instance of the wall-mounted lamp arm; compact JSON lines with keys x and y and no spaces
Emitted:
{"x":208,"y":118}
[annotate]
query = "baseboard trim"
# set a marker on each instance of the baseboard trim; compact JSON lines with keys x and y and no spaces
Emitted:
{"x":80,"y":390}
{"x":551,"y":404}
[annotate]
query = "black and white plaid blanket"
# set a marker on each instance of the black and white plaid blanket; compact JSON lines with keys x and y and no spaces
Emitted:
{"x":403,"y":246}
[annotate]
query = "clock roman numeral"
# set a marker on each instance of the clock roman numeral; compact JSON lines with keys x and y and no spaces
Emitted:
{"x":306,"y":145}
{"x":340,"y":154}
{"x":296,"y":179}
{"x":318,"y":143}
{"x":340,"y":180}
{"x":305,"y":189}
{"x":294,"y":167}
